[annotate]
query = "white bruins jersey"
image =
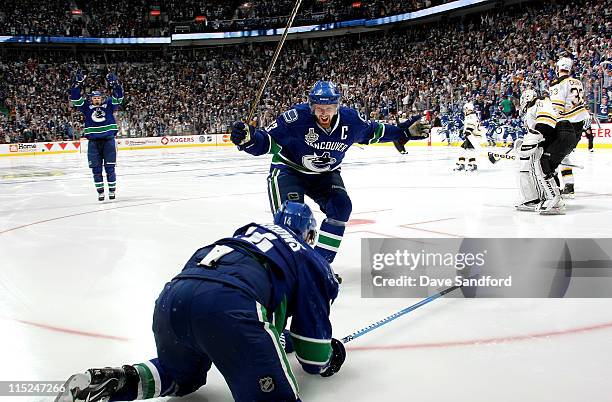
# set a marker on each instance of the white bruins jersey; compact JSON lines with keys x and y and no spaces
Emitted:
{"x":567,"y":97}
{"x":471,"y":125}
{"x":542,"y":112}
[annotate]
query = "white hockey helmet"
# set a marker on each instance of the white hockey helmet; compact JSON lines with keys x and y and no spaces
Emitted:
{"x":527,"y":97}
{"x":468,"y":108}
{"x":565,"y":64}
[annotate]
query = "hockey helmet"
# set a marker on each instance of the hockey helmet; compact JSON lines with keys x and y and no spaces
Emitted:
{"x":565,"y":64}
{"x":324,"y":93}
{"x":299,"y":218}
{"x":468,"y":108}
{"x":95,"y":93}
{"x":527,"y":98}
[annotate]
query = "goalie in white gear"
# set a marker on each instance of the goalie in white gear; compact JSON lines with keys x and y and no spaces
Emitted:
{"x":540,"y":153}
{"x":471,"y":145}
{"x":567,"y":97}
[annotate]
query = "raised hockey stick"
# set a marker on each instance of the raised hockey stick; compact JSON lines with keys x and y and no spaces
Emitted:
{"x":400,"y":313}
{"x":271,"y":66}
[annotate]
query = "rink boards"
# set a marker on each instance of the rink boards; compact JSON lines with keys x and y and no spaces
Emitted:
{"x":602,"y":134}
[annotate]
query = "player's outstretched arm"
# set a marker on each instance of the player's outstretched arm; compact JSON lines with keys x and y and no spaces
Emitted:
{"x":412,"y":129}
{"x":113,"y":82}
{"x":76,"y":97}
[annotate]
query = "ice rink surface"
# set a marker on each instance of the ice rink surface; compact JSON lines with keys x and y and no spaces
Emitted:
{"x":79,"y":278}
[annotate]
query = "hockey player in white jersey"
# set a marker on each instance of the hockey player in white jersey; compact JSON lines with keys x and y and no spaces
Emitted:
{"x":471,"y":145}
{"x":567,"y":97}
{"x":540,"y":152}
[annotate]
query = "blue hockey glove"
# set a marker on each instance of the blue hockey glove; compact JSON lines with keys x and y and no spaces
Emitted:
{"x":112,"y":79}
{"x":337,"y":359}
{"x":241,"y":133}
{"x":79,"y":79}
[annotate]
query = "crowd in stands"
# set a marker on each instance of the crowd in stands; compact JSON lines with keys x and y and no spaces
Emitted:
{"x":487,"y":58}
{"x":143,"y":18}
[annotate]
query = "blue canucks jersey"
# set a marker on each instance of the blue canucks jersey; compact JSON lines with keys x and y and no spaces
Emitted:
{"x":297,"y":141}
{"x":99,"y":120}
{"x":290,"y":279}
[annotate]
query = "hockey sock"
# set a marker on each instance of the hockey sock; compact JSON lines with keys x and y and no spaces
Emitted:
{"x":100,"y":187}
{"x":330,"y":236}
{"x":568,"y":175}
{"x":144,"y":381}
{"x":112,"y":185}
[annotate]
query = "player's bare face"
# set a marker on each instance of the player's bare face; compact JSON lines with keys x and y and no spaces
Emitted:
{"x":96,"y":100}
{"x":325,"y":114}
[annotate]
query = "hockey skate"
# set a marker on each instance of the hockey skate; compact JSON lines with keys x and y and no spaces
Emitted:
{"x":459,"y":167}
{"x":472,"y":167}
{"x":568,"y":191}
{"x":528,"y":206}
{"x":111,"y":195}
{"x":100,"y":196}
{"x":95,"y":384}
{"x":554,"y":206}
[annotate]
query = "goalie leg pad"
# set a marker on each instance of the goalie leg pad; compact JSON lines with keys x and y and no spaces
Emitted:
{"x":528,"y":183}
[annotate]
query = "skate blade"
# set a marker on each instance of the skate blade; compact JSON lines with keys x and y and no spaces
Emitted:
{"x":80,"y":381}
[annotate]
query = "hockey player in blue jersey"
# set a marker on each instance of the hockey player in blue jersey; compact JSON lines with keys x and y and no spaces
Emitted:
{"x":308,"y":143}
{"x":100,"y":129}
{"x":229,"y":307}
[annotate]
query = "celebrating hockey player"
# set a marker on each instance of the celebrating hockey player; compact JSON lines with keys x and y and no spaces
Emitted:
{"x":540,"y":152}
{"x":308,"y":143}
{"x":100,"y":130}
{"x":228,"y":307}
{"x":471,"y":144}
{"x":567,"y":97}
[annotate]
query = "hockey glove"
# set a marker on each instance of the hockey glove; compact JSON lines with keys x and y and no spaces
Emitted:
{"x":112,"y":79}
{"x":416,"y":128}
{"x":241,"y":133}
{"x":337,"y":359}
{"x":79,"y":79}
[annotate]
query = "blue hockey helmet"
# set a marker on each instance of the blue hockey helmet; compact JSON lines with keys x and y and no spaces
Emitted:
{"x":95,"y":93}
{"x":324,"y":93}
{"x":299,"y":218}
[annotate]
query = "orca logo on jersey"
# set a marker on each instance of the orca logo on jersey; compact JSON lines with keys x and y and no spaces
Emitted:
{"x":98,"y":115}
{"x":316,"y":163}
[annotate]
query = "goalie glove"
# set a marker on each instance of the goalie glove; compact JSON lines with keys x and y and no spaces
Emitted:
{"x":241,"y":133}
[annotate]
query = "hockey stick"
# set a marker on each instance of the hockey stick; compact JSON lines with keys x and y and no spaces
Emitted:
{"x":271,"y":66}
{"x":572,"y":165}
{"x":400,"y":313}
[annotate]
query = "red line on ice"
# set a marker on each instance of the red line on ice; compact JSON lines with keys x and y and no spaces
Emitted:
{"x":486,"y":341}
{"x":72,"y":331}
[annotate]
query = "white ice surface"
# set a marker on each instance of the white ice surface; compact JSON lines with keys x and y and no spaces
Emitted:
{"x":71,"y":265}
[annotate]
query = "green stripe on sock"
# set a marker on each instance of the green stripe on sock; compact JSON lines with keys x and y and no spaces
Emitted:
{"x":312,"y":351}
{"x":329,"y":241}
{"x":147,"y":382}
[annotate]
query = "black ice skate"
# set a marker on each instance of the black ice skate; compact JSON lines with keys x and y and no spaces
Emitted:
{"x":472,"y":167}
{"x":95,"y":384}
{"x":100,"y":196}
{"x":459,"y":167}
{"x":568,"y":190}
{"x":111,"y":195}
